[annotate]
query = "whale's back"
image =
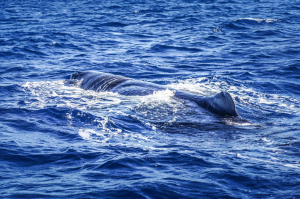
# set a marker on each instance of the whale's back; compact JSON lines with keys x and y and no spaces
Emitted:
{"x":221,"y":103}
{"x":98,"y":81}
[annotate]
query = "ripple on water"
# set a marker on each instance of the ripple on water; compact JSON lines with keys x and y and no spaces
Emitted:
{"x":58,"y":140}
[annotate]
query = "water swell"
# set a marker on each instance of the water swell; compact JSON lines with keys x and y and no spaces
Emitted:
{"x":165,"y":48}
{"x":58,"y":140}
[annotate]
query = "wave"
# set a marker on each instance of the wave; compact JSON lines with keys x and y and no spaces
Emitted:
{"x":255,"y":21}
{"x":159,"y":47}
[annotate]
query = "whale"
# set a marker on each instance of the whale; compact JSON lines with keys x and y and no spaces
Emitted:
{"x":221,"y":104}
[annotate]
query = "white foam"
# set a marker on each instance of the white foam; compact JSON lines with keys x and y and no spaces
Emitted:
{"x":59,"y":94}
{"x":258,"y":20}
{"x":272,"y":161}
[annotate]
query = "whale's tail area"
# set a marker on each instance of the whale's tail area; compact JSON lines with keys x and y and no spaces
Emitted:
{"x":222,"y":104}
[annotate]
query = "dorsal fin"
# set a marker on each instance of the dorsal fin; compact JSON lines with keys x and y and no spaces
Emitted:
{"x":222,"y":104}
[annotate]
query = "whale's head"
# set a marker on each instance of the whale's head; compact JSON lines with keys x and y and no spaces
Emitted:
{"x":74,"y":75}
{"x":79,"y":75}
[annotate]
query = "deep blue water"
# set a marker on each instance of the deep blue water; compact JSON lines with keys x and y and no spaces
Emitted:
{"x":60,"y":141}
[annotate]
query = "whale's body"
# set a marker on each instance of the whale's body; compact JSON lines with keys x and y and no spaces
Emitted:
{"x":221,"y":103}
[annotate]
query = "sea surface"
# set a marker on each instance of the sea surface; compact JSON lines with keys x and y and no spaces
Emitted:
{"x":60,"y":141}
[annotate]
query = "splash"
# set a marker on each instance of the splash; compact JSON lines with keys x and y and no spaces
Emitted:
{"x":258,"y":20}
{"x":59,"y":94}
{"x":244,"y":94}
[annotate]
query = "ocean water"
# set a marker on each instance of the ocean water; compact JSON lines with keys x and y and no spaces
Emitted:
{"x":58,"y":141}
